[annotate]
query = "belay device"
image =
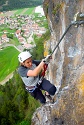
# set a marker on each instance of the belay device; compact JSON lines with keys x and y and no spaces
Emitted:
{"x":78,"y":20}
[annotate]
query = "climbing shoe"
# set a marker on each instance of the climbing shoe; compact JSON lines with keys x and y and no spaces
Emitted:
{"x":48,"y":98}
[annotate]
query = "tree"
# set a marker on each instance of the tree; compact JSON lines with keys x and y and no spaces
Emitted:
{"x":10,"y":36}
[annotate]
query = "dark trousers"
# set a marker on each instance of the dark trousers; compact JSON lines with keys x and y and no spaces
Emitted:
{"x":45,"y":85}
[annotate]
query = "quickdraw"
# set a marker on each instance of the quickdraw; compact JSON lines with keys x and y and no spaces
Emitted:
{"x":45,"y":68}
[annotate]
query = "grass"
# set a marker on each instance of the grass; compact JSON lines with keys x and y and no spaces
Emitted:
{"x":29,"y":11}
{"x":8,"y":61}
{"x":19,"y":11}
{"x":5,"y":28}
{"x":14,"y":41}
{"x":25,"y":11}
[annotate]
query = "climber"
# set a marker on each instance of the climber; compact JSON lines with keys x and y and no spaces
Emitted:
{"x":30,"y":70}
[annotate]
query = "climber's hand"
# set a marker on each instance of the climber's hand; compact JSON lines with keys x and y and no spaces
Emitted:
{"x":47,"y":58}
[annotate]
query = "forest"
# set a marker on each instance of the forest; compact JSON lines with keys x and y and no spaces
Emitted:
{"x":6,"y":5}
{"x":16,"y":105}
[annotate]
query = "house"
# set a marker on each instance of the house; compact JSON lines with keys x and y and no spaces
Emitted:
{"x":2,"y":21}
{"x":28,"y":46}
{"x":4,"y":31}
{"x":18,"y":33}
{"x":4,"y":38}
{"x":22,"y":40}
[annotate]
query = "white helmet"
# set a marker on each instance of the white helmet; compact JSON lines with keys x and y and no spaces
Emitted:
{"x":23,"y":56}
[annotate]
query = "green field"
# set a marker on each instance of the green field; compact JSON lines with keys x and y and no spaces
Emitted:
{"x":24,"y":11}
{"x":8,"y":61}
{"x":29,"y":11}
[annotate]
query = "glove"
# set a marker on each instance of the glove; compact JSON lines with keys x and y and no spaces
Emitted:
{"x":47,"y":59}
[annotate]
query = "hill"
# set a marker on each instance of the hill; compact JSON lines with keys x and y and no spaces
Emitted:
{"x":6,"y":5}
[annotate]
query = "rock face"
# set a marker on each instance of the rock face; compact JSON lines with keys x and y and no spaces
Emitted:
{"x":66,"y":70}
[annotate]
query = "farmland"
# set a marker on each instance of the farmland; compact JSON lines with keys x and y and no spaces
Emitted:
{"x":23,"y":11}
{"x":8,"y":61}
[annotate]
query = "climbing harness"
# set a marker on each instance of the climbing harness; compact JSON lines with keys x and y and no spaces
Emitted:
{"x":30,"y":88}
{"x":78,"y":20}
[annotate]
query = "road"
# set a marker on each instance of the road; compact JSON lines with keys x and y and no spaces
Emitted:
{"x":6,"y":79}
{"x":18,"y":48}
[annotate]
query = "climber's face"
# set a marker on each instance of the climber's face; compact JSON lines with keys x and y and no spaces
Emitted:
{"x":28,"y":63}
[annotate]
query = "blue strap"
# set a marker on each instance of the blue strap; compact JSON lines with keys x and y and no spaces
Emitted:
{"x":31,"y":90}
